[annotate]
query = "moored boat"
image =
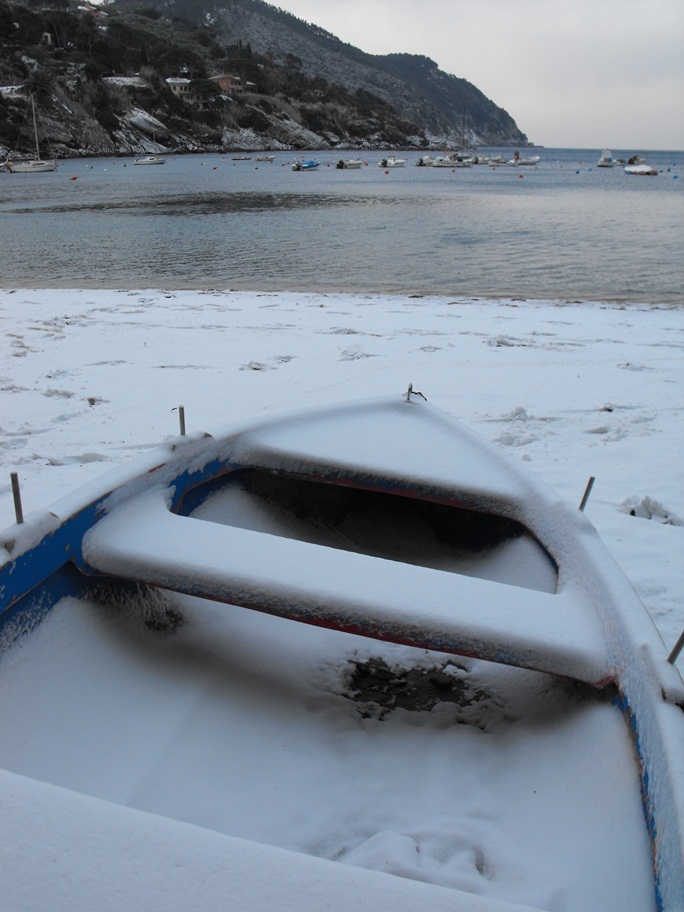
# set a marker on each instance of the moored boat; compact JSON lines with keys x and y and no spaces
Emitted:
{"x":606,"y":160}
{"x":453,"y":160}
{"x":150,"y":160}
{"x":349,"y":164}
{"x":524,"y":160}
{"x":310,"y":165}
{"x":641,"y":169}
{"x":632,"y":160}
{"x":387,"y":529}
{"x":29,"y":166}
{"x":36,"y":164}
{"x":391,"y":162}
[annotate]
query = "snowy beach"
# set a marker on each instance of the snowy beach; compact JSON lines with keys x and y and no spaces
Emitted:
{"x":93,"y":378}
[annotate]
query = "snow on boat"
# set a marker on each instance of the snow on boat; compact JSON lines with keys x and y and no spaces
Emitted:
{"x":475,"y":700}
{"x":644,"y":170}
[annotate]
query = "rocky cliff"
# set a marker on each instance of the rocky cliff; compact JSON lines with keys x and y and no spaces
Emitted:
{"x":99,"y":76}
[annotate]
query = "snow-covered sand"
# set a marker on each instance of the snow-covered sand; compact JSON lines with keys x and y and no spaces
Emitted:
{"x":91,"y":378}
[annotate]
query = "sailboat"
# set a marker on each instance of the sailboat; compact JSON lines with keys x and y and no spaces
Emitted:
{"x":462,"y":158}
{"x":31,"y":165}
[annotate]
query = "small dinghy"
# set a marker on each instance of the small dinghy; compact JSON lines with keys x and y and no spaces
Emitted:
{"x":474,"y":701}
{"x":305,"y":165}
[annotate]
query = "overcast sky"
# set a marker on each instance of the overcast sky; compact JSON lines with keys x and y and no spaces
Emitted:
{"x":571,"y":73}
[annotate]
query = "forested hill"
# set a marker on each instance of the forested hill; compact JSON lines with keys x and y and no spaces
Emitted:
{"x":99,"y":76}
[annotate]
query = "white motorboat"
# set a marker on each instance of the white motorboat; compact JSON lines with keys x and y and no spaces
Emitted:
{"x":526,"y":160}
{"x":391,"y":162}
{"x":606,"y":160}
{"x":451,"y":161}
{"x":150,"y":160}
{"x":349,"y":164}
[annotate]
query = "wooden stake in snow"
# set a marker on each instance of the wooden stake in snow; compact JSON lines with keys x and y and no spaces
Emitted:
{"x":587,"y":492}
{"x":18,"y":512}
{"x":181,"y":418}
{"x":679,"y":645}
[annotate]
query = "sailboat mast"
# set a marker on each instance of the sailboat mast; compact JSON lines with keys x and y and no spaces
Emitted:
{"x":35,"y":127}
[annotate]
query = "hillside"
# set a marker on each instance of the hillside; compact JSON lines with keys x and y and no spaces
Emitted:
{"x":99,"y":76}
{"x":419,"y":90}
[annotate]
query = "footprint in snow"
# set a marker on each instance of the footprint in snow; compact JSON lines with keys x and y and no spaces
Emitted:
{"x":81,"y":459}
{"x":256,"y":366}
{"x":58,"y":394}
{"x":353,"y":354}
{"x":634,"y":367}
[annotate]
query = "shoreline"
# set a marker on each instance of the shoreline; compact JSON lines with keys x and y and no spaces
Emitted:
{"x":467,"y":298}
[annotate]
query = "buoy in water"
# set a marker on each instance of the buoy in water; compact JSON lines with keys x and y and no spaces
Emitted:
{"x":73,"y":178}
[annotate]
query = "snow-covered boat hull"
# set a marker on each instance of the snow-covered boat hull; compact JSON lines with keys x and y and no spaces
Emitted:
{"x":384,"y":519}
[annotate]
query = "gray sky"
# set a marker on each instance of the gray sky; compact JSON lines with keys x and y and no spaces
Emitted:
{"x":572,"y":73}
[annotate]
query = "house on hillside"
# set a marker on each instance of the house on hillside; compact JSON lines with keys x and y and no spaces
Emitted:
{"x":229,"y":85}
{"x":182,"y":87}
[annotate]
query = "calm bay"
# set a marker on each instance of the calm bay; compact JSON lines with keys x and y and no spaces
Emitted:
{"x":564,"y":229}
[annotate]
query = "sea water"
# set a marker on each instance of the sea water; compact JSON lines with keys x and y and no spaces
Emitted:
{"x":563,"y":229}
